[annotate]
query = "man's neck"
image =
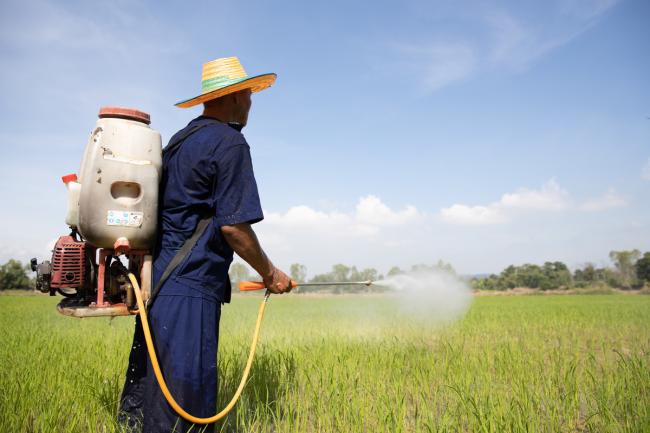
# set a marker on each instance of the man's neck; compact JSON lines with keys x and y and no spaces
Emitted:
{"x":214,"y":116}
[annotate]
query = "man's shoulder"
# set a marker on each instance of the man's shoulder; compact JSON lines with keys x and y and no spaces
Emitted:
{"x":215,"y":134}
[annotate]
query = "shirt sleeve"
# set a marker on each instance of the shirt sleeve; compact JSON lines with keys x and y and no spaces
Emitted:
{"x":235,"y":196}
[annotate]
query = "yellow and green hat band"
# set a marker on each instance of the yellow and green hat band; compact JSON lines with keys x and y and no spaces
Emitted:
{"x":219,"y":82}
{"x":216,"y":90}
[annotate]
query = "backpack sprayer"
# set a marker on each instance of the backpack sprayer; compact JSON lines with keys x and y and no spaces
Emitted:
{"x":112,"y":214}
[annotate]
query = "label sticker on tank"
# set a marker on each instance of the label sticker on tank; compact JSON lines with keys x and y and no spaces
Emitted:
{"x":124,"y":218}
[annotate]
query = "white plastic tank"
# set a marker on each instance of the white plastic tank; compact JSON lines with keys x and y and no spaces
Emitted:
{"x":74,"y":190}
{"x":119,"y":178}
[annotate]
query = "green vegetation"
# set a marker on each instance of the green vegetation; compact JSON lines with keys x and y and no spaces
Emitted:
{"x":13,"y":276}
{"x":354,"y":364}
{"x":630,"y":271}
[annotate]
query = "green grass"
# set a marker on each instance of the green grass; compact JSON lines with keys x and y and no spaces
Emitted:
{"x":352,"y":364}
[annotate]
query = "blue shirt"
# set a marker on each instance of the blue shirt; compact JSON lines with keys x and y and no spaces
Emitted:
{"x":210,"y":173}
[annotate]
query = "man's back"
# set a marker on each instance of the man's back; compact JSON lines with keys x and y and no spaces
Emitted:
{"x":209,"y":173}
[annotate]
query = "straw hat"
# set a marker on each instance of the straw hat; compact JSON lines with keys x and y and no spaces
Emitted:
{"x":224,"y":76}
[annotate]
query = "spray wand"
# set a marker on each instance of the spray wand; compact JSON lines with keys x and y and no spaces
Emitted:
{"x":246,"y":286}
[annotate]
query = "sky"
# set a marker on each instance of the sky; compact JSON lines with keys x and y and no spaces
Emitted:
{"x":479,"y":133}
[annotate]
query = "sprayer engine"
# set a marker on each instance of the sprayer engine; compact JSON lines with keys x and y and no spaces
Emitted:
{"x":112,"y":214}
{"x":91,"y":288}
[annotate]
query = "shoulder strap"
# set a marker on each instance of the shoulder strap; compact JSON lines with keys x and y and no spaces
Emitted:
{"x":180,"y":256}
{"x":181,"y":135}
{"x":189,"y":243}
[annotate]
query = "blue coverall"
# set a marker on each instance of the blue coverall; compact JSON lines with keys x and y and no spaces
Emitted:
{"x":209,"y":173}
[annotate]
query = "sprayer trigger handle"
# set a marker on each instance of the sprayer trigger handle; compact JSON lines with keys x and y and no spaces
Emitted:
{"x":246,"y":286}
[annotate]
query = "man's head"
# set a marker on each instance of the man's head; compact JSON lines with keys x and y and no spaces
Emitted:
{"x":224,"y":76}
{"x":233,"y":107}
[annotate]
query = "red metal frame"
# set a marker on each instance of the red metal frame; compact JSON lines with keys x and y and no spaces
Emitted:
{"x":103,"y":254}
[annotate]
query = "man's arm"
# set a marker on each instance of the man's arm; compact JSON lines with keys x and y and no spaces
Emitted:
{"x":244,"y":242}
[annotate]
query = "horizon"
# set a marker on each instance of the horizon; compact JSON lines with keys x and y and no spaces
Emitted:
{"x":480,"y":134}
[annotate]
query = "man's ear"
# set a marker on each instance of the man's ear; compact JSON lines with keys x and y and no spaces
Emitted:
{"x":239,"y":96}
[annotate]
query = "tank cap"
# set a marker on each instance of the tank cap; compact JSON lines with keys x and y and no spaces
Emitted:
{"x":125,"y":113}
{"x":72,"y":177}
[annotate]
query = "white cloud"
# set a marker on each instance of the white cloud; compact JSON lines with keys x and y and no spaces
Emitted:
{"x":370,"y":210}
{"x":319,"y":238}
{"x":493,"y":39}
{"x":112,"y":28}
{"x":370,"y":215}
{"x":447,"y":63}
{"x":439,"y":64}
{"x":518,"y":41}
{"x":585,"y":9}
{"x":508,"y":35}
{"x":607,"y":201}
{"x":645,"y":173}
{"x":551,"y":197}
{"x":473,"y":215}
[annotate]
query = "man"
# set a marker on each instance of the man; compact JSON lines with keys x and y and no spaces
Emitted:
{"x":208,"y":196}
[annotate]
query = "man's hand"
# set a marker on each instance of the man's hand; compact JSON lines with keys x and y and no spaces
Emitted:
{"x":278,"y":282}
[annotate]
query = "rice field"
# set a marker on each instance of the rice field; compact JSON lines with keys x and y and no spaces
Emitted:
{"x":357,"y":364}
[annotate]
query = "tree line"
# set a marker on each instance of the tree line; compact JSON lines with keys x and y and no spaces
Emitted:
{"x":630,"y":270}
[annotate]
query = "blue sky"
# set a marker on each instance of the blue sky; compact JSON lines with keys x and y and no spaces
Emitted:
{"x":480,"y":133}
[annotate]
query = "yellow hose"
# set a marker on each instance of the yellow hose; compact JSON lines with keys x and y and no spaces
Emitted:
{"x":161,"y":380}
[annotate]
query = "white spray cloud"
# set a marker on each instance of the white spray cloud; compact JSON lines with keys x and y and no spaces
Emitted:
{"x":434,"y":295}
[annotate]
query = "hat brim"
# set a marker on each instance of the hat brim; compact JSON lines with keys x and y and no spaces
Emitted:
{"x":256,"y":84}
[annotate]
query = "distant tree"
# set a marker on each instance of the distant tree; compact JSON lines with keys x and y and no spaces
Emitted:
{"x":624,"y":262}
{"x":508,"y":278}
{"x":589,"y":275}
{"x":440,"y":266}
{"x":394,"y":271}
{"x":421,"y":267}
{"x":238,"y":272}
{"x":368,"y":274}
{"x":341,"y":272}
{"x":492,"y":282}
{"x":556,"y":276}
{"x":13,"y":275}
{"x":642,"y":267}
{"x":445,"y":267}
{"x":485,"y":283}
{"x":584,"y":276}
{"x":530,"y":276}
{"x":298,"y":272}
